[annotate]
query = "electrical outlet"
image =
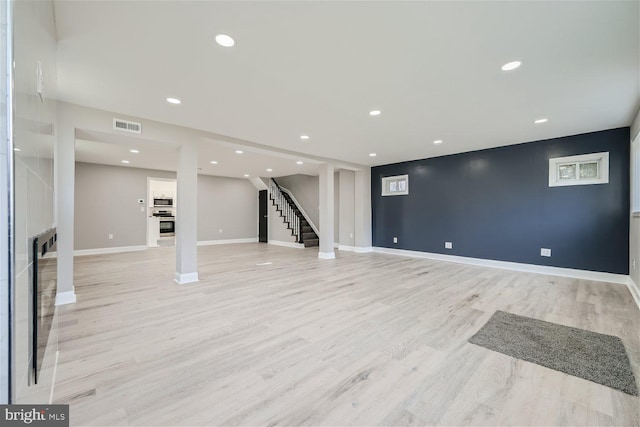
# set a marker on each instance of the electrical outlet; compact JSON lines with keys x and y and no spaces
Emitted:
{"x":633,"y":264}
{"x":448,"y":245}
{"x":110,"y":236}
{"x":545,"y":252}
{"x":220,"y":231}
{"x":395,"y":240}
{"x":141,"y":208}
{"x":351,"y":235}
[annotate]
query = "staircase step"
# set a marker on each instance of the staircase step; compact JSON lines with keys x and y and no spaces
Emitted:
{"x":309,"y":236}
{"x":311,"y":242}
{"x":307,"y":229}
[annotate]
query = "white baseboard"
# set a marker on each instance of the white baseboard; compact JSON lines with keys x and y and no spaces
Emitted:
{"x":183,"y":278}
{"x":63,"y":298}
{"x":326,"y":255}
{"x":346,"y":248}
{"x":287,"y":244}
{"x":635,"y":291}
{"x":227,"y":241}
{"x":529,"y":268}
{"x":336,"y":245}
{"x":100,"y":251}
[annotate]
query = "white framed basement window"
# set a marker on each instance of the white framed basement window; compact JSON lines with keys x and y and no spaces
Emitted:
{"x":395,"y":185}
{"x":585,"y":169}
{"x":635,"y":176}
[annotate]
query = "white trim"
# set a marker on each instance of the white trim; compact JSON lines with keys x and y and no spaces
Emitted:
{"x":336,"y":245}
{"x":529,"y":268}
{"x":299,"y":206}
{"x":227,"y":241}
{"x":346,"y":248}
{"x":603,"y":169}
{"x":363,"y":249}
{"x":286,"y":244}
{"x":635,"y":291}
{"x":386,"y":185}
{"x":100,"y":251}
{"x":183,"y":278}
{"x":258,"y":183}
{"x":64,"y":298}
{"x":326,"y":255}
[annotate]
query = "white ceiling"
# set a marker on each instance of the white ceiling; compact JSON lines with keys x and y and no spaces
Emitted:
{"x":318,"y":68}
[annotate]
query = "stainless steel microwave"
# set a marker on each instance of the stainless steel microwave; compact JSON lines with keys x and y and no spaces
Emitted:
{"x":162,"y":202}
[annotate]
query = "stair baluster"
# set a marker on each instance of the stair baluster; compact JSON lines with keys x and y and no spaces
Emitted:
{"x":292,"y":216}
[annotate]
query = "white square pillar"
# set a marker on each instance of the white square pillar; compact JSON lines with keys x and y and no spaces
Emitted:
{"x":326,"y":203}
{"x":187,"y":214}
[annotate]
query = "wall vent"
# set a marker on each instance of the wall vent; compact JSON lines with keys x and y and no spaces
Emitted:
{"x":127,"y":126}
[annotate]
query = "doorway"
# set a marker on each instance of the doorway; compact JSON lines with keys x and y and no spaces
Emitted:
{"x":263,"y":218}
{"x":161,"y":216}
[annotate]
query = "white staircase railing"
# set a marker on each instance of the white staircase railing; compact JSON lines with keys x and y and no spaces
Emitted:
{"x":290,"y":215}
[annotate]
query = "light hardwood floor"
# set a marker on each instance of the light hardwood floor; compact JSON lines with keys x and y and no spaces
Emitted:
{"x":365,"y":339}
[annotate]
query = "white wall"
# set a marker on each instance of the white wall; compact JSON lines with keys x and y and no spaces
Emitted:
{"x":347,"y":208}
{"x":226,"y":204}
{"x":336,"y":207}
{"x":35,"y":135}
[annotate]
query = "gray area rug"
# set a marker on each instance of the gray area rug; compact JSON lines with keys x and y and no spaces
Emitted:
{"x":595,"y":357}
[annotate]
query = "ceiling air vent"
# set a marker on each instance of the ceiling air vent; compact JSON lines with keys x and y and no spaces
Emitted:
{"x":127,"y":126}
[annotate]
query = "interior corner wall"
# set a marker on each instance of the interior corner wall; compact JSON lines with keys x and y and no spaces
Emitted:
{"x":106,"y":202}
{"x":496,"y":204}
{"x":227,"y":204}
{"x":35,"y":135}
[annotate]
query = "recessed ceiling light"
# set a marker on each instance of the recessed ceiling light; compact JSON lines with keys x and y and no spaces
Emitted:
{"x":269,"y":170}
{"x":125,"y":162}
{"x":298,"y":162}
{"x":437,"y":141}
{"x":304,"y":136}
{"x":246,"y":175}
{"x":511,"y":65}
{"x":225,"y":40}
{"x":175,"y":101}
{"x":372,"y":154}
{"x":541,"y":121}
{"x":134,"y":151}
{"x":375,"y":112}
{"x":17,"y":149}
{"x":239,"y":151}
{"x":213,"y":162}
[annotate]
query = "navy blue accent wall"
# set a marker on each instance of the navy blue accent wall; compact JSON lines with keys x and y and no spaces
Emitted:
{"x":497,"y":204}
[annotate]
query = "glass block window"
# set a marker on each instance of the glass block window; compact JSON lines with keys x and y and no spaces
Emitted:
{"x":395,"y":185}
{"x":584,"y":169}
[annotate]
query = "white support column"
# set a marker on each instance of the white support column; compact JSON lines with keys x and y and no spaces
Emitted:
{"x":187,"y":215}
{"x":326,"y":212}
{"x":65,"y":178}
{"x":363,"y":210}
